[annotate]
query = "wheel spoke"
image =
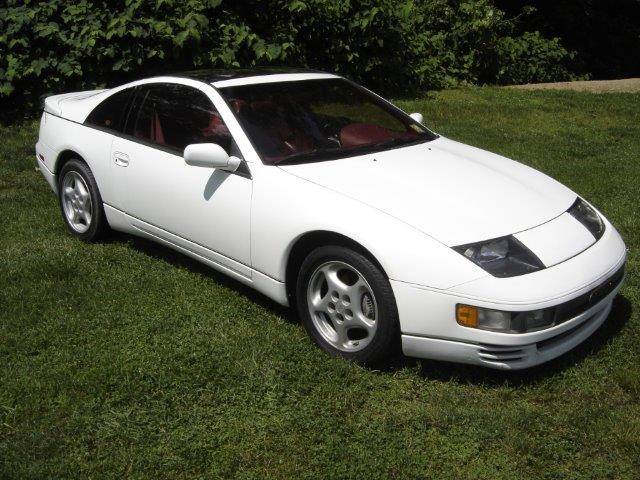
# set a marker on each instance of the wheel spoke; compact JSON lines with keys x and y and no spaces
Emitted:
{"x":356,"y":290}
{"x":341,"y":331}
{"x":86,"y":216}
{"x":360,"y":320}
{"x":318,"y":302}
{"x":85,"y":201}
{"x":333,"y":281}
{"x":80,"y":188}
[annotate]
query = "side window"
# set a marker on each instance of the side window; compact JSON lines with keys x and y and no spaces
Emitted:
{"x":173,"y":116}
{"x":110,"y":113}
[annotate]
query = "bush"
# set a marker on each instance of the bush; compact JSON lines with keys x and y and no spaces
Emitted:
{"x":605,"y":35}
{"x":531,"y":58}
{"x":55,"y":45}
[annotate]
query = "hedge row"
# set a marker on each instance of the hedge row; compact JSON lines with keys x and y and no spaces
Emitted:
{"x":390,"y":45}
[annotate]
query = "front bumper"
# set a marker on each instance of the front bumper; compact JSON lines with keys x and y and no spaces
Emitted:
{"x":511,"y":357}
{"x":429,"y":329}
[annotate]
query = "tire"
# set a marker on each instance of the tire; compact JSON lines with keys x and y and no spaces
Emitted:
{"x":360,"y":323}
{"x":80,"y":201}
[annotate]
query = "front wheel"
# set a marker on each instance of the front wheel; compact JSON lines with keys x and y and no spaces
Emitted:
{"x":347,"y":306}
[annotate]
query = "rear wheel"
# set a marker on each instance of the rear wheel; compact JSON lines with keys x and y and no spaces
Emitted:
{"x":347,"y":306}
{"x":80,"y":201}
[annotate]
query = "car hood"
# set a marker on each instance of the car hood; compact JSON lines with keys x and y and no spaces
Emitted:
{"x":452,"y":192}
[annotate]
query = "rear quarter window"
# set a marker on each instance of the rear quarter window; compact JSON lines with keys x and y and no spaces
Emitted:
{"x":110,"y":114}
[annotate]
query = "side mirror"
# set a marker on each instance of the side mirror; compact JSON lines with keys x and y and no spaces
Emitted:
{"x":210,"y":155}
{"x":417,"y":117}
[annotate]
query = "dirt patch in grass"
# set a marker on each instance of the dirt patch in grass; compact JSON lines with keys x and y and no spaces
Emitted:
{"x":596,"y":86}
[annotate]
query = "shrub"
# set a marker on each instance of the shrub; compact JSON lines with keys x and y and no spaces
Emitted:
{"x":605,"y":35}
{"x":55,"y":45}
{"x":531,"y":58}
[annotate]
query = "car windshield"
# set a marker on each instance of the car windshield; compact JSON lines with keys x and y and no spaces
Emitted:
{"x":315,"y":120}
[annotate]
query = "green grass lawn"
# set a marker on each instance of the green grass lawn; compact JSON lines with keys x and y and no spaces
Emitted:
{"x":124,"y":359}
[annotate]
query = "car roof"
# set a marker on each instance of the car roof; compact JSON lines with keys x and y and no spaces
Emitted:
{"x":220,"y":78}
{"x":218,"y":75}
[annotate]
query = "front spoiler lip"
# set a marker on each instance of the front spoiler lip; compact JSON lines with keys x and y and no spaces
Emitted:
{"x":509,"y":356}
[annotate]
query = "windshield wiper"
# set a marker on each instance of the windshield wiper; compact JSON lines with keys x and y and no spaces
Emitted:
{"x":328,"y":154}
{"x":395,"y":141}
{"x":302,"y":156}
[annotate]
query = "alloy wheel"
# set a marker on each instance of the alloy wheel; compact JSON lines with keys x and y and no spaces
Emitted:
{"x":76,"y":201}
{"x":342,"y":306}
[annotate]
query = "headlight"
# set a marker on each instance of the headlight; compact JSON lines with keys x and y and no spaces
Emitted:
{"x":501,"y":321}
{"x":587,"y":216}
{"x":501,"y":257}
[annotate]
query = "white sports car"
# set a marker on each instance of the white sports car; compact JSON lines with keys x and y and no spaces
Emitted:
{"x":324,"y":196}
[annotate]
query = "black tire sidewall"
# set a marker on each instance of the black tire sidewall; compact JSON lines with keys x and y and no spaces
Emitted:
{"x":386,"y":340}
{"x":98,"y":225}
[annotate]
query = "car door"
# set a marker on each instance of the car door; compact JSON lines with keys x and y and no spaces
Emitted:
{"x":105,"y":121}
{"x":203,"y":210}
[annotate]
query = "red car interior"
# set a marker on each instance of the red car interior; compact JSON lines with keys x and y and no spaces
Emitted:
{"x":265,"y":116}
{"x":357,"y":134}
{"x":278,"y":127}
{"x":152,"y":131}
{"x":281,"y":137}
{"x":216,"y":127}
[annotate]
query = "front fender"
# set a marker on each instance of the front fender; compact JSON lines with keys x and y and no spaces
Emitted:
{"x":285,"y":207}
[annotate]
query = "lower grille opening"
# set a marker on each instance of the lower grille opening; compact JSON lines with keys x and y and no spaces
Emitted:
{"x":551,"y":342}
{"x":491,"y":353}
{"x":502,"y":352}
{"x":584,"y":302}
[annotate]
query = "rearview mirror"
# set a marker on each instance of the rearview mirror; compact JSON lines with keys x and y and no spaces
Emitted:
{"x":210,"y":155}
{"x":417,"y":117}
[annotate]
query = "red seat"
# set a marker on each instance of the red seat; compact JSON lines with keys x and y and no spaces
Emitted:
{"x":216,"y":127}
{"x":157,"y":135}
{"x":289,"y":139}
{"x":356,"y":134}
{"x":238,"y":105}
{"x":154,"y":133}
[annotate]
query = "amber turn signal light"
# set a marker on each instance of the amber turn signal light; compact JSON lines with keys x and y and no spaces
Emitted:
{"x":466,"y":315}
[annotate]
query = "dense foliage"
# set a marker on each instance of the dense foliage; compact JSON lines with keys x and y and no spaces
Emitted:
{"x":55,"y":45}
{"x":605,"y":35}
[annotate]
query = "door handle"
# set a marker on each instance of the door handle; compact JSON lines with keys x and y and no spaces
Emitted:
{"x":121,"y":159}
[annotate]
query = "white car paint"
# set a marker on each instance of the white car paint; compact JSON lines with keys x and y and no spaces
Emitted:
{"x":406,"y":206}
{"x":422,"y":185}
{"x":279,"y":77}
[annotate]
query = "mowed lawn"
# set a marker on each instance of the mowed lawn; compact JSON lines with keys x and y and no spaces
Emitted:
{"x":124,"y":359}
